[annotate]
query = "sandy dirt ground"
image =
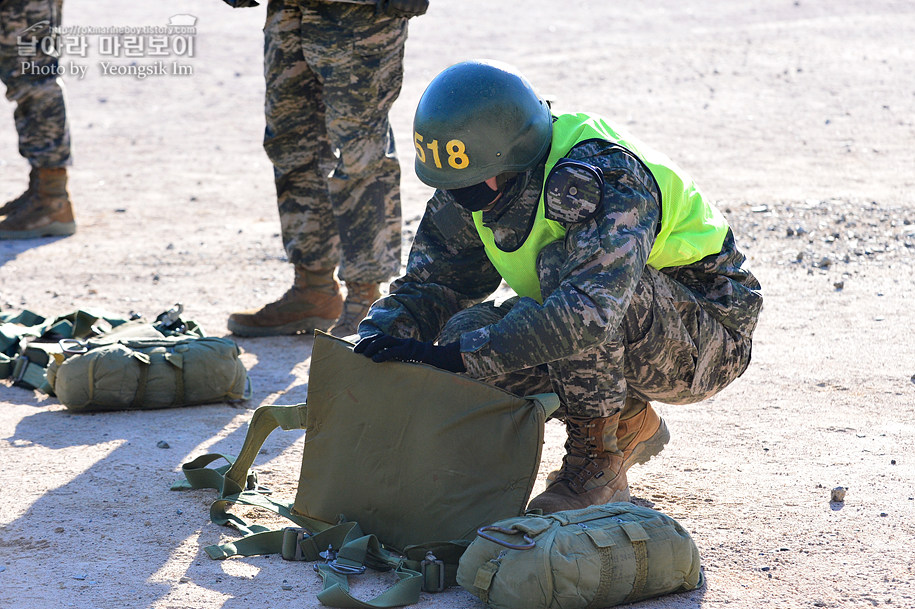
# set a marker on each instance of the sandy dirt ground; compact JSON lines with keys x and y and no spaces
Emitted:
{"x":797,"y":115}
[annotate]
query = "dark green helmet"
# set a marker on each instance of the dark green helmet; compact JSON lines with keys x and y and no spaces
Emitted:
{"x":476,"y":120}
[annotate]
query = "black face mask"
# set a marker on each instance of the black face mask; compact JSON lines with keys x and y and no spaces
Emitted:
{"x":476,"y":197}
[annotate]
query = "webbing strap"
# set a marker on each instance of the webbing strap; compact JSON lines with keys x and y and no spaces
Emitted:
{"x":354,"y":554}
{"x":198,"y":475}
{"x":606,"y":577}
{"x":640,"y":551}
{"x":249,"y":389}
{"x":6,"y":366}
{"x":234,"y":479}
{"x":343,"y":548}
{"x":638,"y":536}
{"x":255,"y":544}
{"x":177,"y":360}
{"x":141,"y":382}
{"x":235,"y":482}
{"x":264,"y":420}
{"x":219,"y":515}
{"x":336,"y":590}
{"x":27,"y":373}
{"x":261,"y":540}
{"x":350,"y":550}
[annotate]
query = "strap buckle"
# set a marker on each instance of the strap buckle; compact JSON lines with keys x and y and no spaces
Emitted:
{"x":343,"y":569}
{"x":253,"y":484}
{"x":433,"y":571}
{"x":292,"y":537}
{"x":330,"y":559}
{"x":73,"y":346}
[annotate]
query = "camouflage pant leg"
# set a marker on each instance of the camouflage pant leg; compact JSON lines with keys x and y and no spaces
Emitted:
{"x":296,"y":144}
{"x":40,"y":114}
{"x":667,"y":348}
{"x":333,"y":72}
{"x":362,"y":72}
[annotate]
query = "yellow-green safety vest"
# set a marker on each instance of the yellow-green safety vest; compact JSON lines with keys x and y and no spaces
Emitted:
{"x":691,"y":228}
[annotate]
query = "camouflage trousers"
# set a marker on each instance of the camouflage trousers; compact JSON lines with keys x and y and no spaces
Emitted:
{"x":667,"y":348}
{"x":31,"y":80}
{"x":333,"y":71}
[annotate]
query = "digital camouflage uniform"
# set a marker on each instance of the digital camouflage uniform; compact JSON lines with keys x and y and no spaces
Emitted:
{"x":333,"y":71}
{"x":610,"y":326}
{"x":40,"y":114}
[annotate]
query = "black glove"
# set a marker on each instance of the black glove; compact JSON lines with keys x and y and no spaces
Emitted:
{"x":403,"y":8}
{"x":241,"y":3}
{"x":383,"y":348}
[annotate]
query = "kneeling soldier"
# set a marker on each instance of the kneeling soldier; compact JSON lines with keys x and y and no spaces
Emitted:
{"x":629,"y":286}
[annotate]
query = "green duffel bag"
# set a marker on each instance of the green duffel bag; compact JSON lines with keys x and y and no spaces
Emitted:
{"x":142,"y":373}
{"x":599,"y":556}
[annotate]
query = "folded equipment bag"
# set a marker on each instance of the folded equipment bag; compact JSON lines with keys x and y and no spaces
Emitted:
{"x":598,"y":556}
{"x":138,"y":373}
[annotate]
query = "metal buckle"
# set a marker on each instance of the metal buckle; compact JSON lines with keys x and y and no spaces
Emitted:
{"x":171,"y":319}
{"x":428,"y":567}
{"x":252,"y":484}
{"x":73,"y":346}
{"x":346,"y":569}
{"x":330,"y":559}
{"x":529,"y":543}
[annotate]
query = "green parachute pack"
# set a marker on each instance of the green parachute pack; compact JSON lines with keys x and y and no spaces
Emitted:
{"x":599,"y":556}
{"x":94,"y":361}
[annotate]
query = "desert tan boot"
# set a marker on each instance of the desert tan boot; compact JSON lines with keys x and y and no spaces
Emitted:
{"x":641,"y":433}
{"x":44,"y":210}
{"x":359,"y":299}
{"x":313,"y":303}
{"x":592,"y":469}
{"x":11,"y":206}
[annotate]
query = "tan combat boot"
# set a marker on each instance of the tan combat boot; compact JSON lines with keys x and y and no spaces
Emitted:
{"x":359,"y":299}
{"x":592,"y":469}
{"x":313,"y":303}
{"x":44,"y":210}
{"x":641,"y":433}
{"x":11,"y":206}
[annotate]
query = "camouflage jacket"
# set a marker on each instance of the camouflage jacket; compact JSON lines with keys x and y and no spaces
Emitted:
{"x":605,"y":256}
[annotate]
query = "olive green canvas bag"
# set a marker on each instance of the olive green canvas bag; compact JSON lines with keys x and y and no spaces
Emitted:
{"x":93,"y":360}
{"x":399,"y":460}
{"x":141,"y":373}
{"x":599,"y":556}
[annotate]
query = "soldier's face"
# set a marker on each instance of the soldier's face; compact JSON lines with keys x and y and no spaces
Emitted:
{"x":479,"y":197}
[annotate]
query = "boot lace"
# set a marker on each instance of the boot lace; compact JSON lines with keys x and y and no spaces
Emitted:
{"x":581,"y":452}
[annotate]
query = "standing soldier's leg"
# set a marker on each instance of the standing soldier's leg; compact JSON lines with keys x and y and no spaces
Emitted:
{"x":359,"y":56}
{"x":30,"y":76}
{"x":296,"y":143}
